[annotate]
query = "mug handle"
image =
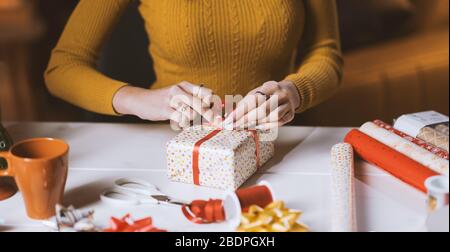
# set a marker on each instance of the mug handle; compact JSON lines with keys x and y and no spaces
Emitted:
{"x":9,"y":171}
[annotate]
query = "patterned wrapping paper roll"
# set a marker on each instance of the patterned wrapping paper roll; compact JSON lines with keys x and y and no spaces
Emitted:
{"x":416,"y":153}
{"x":442,"y":128}
{"x":431,"y":148}
{"x":390,"y":160}
{"x":434,"y":137}
{"x":343,"y":189}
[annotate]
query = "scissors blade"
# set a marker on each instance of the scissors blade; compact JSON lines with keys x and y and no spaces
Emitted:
{"x":167,"y":199}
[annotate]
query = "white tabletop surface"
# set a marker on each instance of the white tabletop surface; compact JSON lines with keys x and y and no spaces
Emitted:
{"x":299,"y":173}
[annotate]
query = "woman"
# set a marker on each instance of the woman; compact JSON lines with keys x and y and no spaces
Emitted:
{"x":230,"y":46}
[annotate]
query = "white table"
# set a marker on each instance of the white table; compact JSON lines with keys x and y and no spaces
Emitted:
{"x":299,"y":173}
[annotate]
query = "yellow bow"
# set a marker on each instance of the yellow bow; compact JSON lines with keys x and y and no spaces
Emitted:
{"x":273,"y":218}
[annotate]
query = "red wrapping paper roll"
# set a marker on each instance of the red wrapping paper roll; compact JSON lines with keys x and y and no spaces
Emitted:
{"x":393,"y":162}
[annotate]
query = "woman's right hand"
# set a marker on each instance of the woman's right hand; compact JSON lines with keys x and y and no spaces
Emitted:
{"x":180,"y":103}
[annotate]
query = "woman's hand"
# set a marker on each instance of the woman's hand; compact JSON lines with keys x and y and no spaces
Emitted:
{"x":271,"y":105}
{"x":181,"y":103}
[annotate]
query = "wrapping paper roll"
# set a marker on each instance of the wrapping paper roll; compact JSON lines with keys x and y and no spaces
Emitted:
{"x":343,"y":189}
{"x":434,"y":137}
{"x":411,"y":124}
{"x":416,"y":153}
{"x":431,"y":148}
{"x":393,"y":162}
{"x":442,"y":128}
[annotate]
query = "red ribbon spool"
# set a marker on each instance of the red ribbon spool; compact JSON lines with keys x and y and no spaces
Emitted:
{"x":217,"y":210}
{"x":257,"y":195}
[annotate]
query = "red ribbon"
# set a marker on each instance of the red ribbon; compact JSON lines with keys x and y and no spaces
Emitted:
{"x":203,"y":212}
{"x":212,"y":211}
{"x":256,"y":138}
{"x":126,"y":224}
{"x":196,"y":153}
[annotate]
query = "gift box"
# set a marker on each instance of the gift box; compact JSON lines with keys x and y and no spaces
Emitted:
{"x":222,"y":159}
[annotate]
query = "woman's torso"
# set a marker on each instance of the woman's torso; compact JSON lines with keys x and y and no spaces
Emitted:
{"x":231,"y":45}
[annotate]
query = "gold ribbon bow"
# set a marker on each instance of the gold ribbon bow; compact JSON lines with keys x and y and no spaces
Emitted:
{"x":273,"y":218}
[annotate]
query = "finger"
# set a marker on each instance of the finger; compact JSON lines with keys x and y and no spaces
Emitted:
{"x":197,"y":105}
{"x":261,"y":112}
{"x":187,"y":112}
{"x":185,"y":122}
{"x":180,"y":104}
{"x":289,"y":116}
{"x":243,"y":107}
{"x":277,"y":114}
{"x":280,"y":98}
{"x":177,"y":97}
{"x":178,"y":118}
{"x":186,"y":109}
{"x":267,"y":88}
{"x":286,"y":118}
{"x":247,"y":104}
{"x":173,"y":118}
{"x":217,"y":111}
{"x":193,"y":102}
{"x":201,"y":92}
{"x":252,"y":117}
{"x":270,"y":87}
{"x":206,"y":95}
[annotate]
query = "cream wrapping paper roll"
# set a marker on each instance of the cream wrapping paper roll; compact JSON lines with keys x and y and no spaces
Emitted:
{"x":429,"y":147}
{"x":405,"y":147}
{"x":434,"y":137}
{"x":343,"y":189}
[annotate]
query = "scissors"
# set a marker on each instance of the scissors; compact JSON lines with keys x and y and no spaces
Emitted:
{"x":136,"y":192}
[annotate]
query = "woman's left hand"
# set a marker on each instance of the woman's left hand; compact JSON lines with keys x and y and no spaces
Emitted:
{"x":271,"y":105}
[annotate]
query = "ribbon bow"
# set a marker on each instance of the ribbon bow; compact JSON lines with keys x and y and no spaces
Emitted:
{"x":275,"y":217}
{"x":127,"y":224}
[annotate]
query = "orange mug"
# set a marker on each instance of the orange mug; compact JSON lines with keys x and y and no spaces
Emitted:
{"x":39,"y":167}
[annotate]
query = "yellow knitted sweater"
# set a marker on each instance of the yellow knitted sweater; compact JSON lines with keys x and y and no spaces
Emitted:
{"x":232,"y":46}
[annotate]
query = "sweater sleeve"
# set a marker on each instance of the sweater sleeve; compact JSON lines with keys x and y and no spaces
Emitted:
{"x":71,"y":74}
{"x":319,"y":74}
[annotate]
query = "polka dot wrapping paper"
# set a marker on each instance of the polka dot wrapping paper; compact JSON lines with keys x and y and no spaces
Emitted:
{"x":343,"y":189}
{"x":225,"y":161}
